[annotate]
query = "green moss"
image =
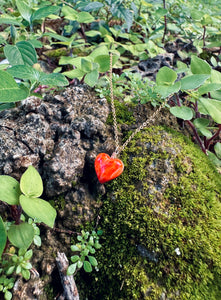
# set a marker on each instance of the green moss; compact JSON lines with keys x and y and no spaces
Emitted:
{"x":138,"y":215}
{"x":123,"y":112}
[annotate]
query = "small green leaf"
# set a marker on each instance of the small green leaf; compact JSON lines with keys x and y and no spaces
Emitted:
{"x":8,"y":295}
{"x":79,"y":264}
{"x":37,"y":240}
{"x":87,"y":266}
{"x":206,"y":88}
{"x":10,"y":270}
{"x":93,"y":261}
{"x":166,"y":76}
{"x":75,"y":248}
{"x":167,"y":90}
{"x":182,"y":112}
{"x":43,"y":12}
{"x":39,"y":209}
{"x":86,"y":65}
{"x":53,"y":79}
{"x":3,"y":237}
{"x":193,"y":81}
{"x":31,"y":183}
{"x":199,"y":66}
{"x":104,"y":62}
{"x":10,"y":91}
{"x":21,"y":235}
{"x":211,"y":107}
{"x":217,"y":149}
{"x":91,"y":78}
{"x":85,"y":17}
{"x":75,"y":258}
{"x":10,"y":190}
{"x":26,"y":274}
{"x":214,"y":159}
{"x":28,"y":254}
{"x":71,"y":269}
{"x":18,"y":269}
{"x":27,"y":265}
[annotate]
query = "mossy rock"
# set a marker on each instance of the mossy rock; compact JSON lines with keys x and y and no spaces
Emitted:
{"x":161,"y":223}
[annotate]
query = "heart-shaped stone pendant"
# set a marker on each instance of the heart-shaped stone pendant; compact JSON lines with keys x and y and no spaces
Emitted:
{"x":107,"y":168}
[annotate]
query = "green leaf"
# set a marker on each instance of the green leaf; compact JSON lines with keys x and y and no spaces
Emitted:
{"x":71,"y":269}
{"x":165,"y":91}
{"x":8,"y":295}
{"x":39,"y":209}
{"x":24,"y":10}
{"x":24,"y":72}
{"x":91,"y":78}
{"x":86,"y":65}
{"x":43,"y":12}
{"x":182,"y":112}
{"x":28,"y":254}
{"x":75,"y":258}
{"x":201,"y":122}
{"x":193,"y":81}
{"x":10,"y":190}
{"x":93,"y":261}
{"x":18,"y":269}
{"x":206,"y":88}
{"x":54,"y":79}
{"x":84,"y":17}
{"x":23,"y":53}
{"x":26,"y":265}
{"x":79,"y":264}
{"x":211,"y":107}
{"x":104,"y":62}
{"x":21,"y":235}
{"x":93,"y":6}
{"x":217,"y":149}
{"x":166,"y":76}
{"x":37,"y":240}
{"x":26,"y":274}
{"x":31,"y":183}
{"x":9,"y":89}
{"x":87,"y":266}
{"x":75,"y":248}
{"x":199,"y":66}
{"x":10,"y":270}
{"x":69,"y":13}
{"x":76,"y":73}
{"x":213,"y":158}
{"x":7,"y":106}
{"x":10,"y":21}
{"x":3,"y":237}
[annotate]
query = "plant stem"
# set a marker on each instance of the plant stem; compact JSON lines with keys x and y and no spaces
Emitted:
{"x":16,"y":211}
{"x":204,"y":35}
{"x":165,"y":22}
{"x":208,"y":142}
{"x":196,"y":135}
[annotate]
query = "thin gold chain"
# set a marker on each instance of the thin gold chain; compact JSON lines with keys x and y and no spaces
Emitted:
{"x":119,"y":148}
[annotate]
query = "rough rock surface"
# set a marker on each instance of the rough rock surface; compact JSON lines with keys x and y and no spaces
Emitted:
{"x":61,"y":135}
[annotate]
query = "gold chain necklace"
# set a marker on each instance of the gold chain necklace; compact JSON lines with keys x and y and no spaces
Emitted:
{"x":106,"y":167}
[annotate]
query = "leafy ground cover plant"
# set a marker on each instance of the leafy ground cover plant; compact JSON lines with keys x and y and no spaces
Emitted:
{"x":87,"y":246}
{"x":20,"y":233}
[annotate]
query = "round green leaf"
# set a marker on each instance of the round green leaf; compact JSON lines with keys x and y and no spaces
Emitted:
{"x":166,"y":76}
{"x":74,"y":258}
{"x":201,"y":122}
{"x":211,"y":107}
{"x":182,"y":112}
{"x":87,"y":266}
{"x":10,"y":190}
{"x":21,"y":235}
{"x":31,"y":183}
{"x":26,"y":274}
{"x":104,"y":62}
{"x":8,"y":295}
{"x":39,"y":209}
{"x":199,"y":66}
{"x":3,"y":236}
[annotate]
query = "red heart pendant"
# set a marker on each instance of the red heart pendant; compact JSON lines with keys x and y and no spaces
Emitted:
{"x":107,"y":168}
